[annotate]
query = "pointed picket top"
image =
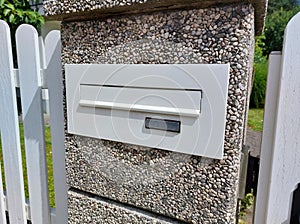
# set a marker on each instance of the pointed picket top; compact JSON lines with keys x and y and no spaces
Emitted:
{"x":10,"y":135}
{"x":284,"y":161}
{"x":31,"y":95}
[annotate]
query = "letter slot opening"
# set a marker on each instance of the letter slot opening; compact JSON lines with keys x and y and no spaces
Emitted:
{"x":162,"y":124}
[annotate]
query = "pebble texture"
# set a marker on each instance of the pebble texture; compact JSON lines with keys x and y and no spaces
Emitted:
{"x":87,"y":9}
{"x":102,"y":212}
{"x":187,"y":188}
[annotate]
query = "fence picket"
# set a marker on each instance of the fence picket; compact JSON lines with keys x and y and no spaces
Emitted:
{"x":2,"y":203}
{"x":55,"y":86}
{"x":271,"y":105}
{"x":31,"y":95}
{"x":45,"y":94}
{"x":279,"y":169}
{"x":10,"y":136}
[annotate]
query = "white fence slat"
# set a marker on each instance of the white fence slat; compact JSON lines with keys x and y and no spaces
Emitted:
{"x":2,"y":202}
{"x":284,"y":174}
{"x":55,"y":87}
{"x":31,"y":95}
{"x":42,"y":53}
{"x":45,"y":95}
{"x":17,"y":80}
{"x":10,"y":136}
{"x":268,"y":136}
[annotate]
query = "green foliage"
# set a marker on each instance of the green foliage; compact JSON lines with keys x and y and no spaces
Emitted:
{"x":259,"y":48}
{"x":17,"y":12}
{"x":279,"y":14}
{"x":275,"y":5}
{"x":257,"y":98}
{"x":274,"y":29}
{"x":246,"y":203}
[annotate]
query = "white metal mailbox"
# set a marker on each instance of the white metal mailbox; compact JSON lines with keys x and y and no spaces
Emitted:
{"x":179,"y":107}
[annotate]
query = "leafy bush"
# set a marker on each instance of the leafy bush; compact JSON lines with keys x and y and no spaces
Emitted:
{"x":279,"y":14}
{"x":259,"y":48}
{"x":274,"y":5}
{"x":274,"y":29}
{"x":16,"y":12}
{"x":257,"y":98}
{"x":271,"y":40}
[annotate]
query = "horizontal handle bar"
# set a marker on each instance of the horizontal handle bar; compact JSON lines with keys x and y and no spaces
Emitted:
{"x":140,"y":108}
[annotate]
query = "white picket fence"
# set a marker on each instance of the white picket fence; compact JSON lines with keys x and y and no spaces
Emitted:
{"x":35,"y":73}
{"x":279,"y":173}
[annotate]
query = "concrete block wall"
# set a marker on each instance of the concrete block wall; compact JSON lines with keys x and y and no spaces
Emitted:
{"x":113,"y":182}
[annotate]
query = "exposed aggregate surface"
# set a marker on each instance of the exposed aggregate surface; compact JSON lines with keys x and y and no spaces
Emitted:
{"x":188,"y":188}
{"x":102,"y":212}
{"x":71,"y":9}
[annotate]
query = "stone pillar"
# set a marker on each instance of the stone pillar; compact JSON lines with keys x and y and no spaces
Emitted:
{"x":113,"y":182}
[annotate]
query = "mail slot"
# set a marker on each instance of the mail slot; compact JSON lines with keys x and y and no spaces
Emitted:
{"x":174,"y":107}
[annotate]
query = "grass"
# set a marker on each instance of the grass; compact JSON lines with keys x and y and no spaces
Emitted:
{"x":255,"y":119}
{"x":49,"y":164}
{"x":246,"y":204}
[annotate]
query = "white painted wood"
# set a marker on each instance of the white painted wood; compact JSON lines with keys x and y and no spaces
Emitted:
{"x":27,"y":209}
{"x":45,"y":95}
{"x":30,"y":81}
{"x":112,"y":102}
{"x":284,"y":175}
{"x":55,"y":85}
{"x":269,"y":124}
{"x":2,"y":202}
{"x":17,"y":79}
{"x":42,"y":53}
{"x":10,"y":136}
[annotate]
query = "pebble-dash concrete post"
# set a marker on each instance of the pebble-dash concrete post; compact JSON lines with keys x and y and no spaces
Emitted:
{"x":113,"y":182}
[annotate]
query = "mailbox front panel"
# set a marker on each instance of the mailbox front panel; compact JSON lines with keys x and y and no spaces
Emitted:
{"x":180,"y":108}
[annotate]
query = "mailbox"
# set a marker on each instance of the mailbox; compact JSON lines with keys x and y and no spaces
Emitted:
{"x":178,"y":107}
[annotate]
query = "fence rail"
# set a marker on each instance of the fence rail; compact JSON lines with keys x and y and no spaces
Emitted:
{"x":39,"y":67}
